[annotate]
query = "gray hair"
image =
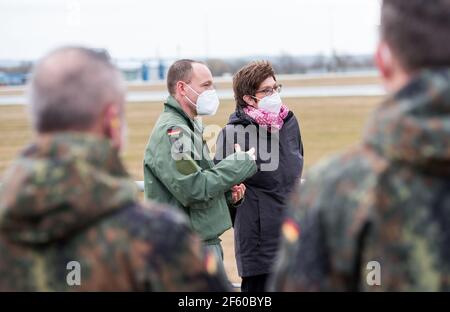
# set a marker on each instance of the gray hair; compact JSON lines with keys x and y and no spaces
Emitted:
{"x":70,"y":88}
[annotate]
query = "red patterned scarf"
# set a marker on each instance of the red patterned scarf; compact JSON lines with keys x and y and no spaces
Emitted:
{"x":266,"y":119}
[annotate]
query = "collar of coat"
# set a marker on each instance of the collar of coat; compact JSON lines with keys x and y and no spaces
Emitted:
{"x":173,"y":105}
{"x":61,"y":183}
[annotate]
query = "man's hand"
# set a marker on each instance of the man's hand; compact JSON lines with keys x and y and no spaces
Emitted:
{"x":237,"y":192}
{"x":250,"y":152}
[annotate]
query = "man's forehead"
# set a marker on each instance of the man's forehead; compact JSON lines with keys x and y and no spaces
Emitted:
{"x":201,"y":72}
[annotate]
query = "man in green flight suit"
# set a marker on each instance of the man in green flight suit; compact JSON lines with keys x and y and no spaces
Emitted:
{"x":178,"y":169}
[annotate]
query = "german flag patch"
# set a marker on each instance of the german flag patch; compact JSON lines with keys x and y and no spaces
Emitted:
{"x":174,"y":131}
{"x":290,"y":230}
{"x":210,"y":263}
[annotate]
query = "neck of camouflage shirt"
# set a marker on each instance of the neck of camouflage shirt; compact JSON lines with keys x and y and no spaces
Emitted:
{"x":59,"y":184}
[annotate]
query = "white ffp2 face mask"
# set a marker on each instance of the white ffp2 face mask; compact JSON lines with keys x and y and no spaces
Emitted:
{"x":271,"y":103}
{"x":207,"y":102}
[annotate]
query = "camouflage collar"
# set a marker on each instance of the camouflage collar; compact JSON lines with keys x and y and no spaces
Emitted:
{"x":59,"y":184}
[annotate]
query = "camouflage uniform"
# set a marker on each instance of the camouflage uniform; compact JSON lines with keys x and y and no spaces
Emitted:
{"x":387,"y":200}
{"x":68,"y":198}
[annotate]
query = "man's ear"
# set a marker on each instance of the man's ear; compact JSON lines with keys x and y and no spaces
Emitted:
{"x":181,"y":88}
{"x":384,"y":61}
{"x":112,"y":125}
{"x":249,"y":100}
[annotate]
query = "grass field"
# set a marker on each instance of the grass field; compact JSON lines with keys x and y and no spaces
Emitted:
{"x":328,"y":125}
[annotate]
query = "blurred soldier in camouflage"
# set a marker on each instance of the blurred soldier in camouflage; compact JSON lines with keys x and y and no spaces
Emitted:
{"x":377,"y":218}
{"x":69,"y":219}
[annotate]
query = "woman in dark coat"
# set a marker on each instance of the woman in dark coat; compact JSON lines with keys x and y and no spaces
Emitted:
{"x":263,"y":122}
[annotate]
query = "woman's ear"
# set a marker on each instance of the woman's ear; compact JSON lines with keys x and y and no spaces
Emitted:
{"x":250,"y":101}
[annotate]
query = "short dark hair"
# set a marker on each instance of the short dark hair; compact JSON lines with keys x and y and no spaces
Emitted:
{"x":417,"y":31}
{"x":181,"y":70}
{"x":247,"y":80}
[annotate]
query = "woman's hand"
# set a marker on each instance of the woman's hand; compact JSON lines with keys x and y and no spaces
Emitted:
{"x":237,"y":192}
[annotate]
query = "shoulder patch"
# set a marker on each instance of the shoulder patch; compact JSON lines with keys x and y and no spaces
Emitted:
{"x":173,"y":131}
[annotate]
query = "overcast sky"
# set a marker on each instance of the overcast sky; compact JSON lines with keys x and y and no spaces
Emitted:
{"x":189,"y":28}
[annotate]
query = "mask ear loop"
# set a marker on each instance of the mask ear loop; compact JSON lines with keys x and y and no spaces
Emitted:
{"x":190,"y":101}
{"x":191,"y":89}
{"x":256,"y":98}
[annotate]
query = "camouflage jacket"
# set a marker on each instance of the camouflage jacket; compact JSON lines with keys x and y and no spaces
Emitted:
{"x":69,"y":221}
{"x":378,"y":217}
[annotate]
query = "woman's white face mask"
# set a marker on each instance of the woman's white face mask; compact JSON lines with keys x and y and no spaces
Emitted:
{"x":207,"y":102}
{"x":271,"y":103}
